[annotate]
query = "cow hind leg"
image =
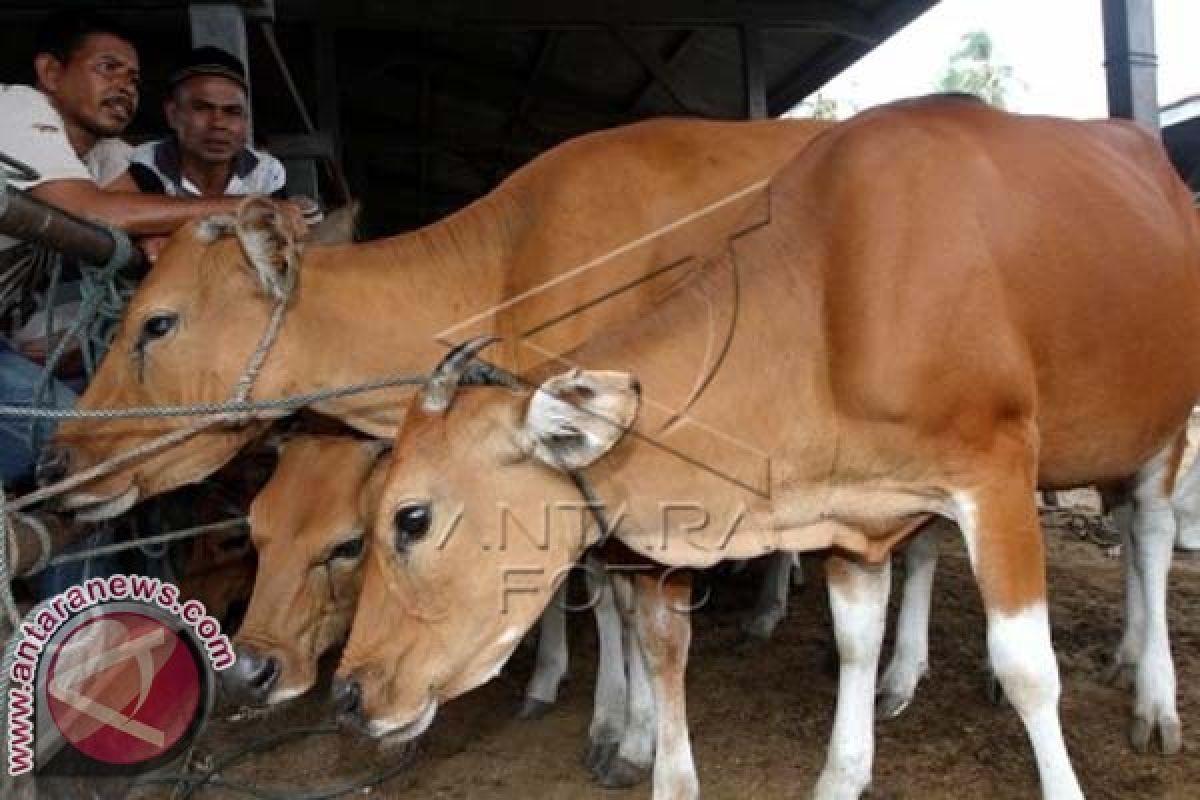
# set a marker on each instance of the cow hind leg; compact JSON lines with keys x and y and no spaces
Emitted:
{"x":664,"y":630}
{"x":1003,"y":537}
{"x":1186,"y":501}
{"x":858,"y":597}
{"x":1153,"y":534}
{"x":772,"y":597}
{"x":1123,"y":670}
{"x":910,"y":658}
{"x":612,"y":690}
{"x":550,"y":666}
{"x":634,"y":756}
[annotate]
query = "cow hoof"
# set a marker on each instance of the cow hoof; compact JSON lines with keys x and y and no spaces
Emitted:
{"x":622,"y":774}
{"x":598,"y":756}
{"x":759,"y":628}
{"x":889,"y":705}
{"x":1170,"y":735}
{"x":532,"y":708}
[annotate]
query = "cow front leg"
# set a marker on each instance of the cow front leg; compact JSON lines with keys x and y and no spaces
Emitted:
{"x":1003,"y":536}
{"x":552,"y":655}
{"x":664,"y":630}
{"x":910,"y":658}
{"x":1154,"y":535}
{"x":858,"y":597}
{"x":612,"y":691}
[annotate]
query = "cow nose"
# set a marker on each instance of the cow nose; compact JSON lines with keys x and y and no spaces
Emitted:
{"x":347,"y":697}
{"x":252,"y":672}
{"x":52,"y":464}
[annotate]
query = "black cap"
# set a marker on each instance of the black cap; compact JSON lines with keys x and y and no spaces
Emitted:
{"x":209,"y":61}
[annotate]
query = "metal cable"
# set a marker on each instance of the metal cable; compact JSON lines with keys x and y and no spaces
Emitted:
{"x":289,"y":403}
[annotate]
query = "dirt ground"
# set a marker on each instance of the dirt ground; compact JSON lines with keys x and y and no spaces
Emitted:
{"x":760,"y":718}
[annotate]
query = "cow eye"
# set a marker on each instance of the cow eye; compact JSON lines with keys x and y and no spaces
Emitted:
{"x":349,"y":550}
{"x":158,"y":326}
{"x":411,"y":523}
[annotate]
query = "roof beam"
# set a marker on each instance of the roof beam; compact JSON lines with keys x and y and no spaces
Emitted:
{"x":675,"y":53}
{"x":483,"y":81}
{"x":835,"y":57}
{"x":547,"y":47}
{"x":581,"y":14}
{"x":660,"y":70}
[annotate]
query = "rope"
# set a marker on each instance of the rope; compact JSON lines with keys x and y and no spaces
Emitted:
{"x":210,"y":777}
{"x":234,"y":409}
{"x":6,"y":595}
{"x":162,"y":538}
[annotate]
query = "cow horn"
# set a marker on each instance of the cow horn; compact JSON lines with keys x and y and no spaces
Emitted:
{"x":443,"y":382}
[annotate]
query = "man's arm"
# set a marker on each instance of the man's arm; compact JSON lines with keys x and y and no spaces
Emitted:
{"x":135,"y":213}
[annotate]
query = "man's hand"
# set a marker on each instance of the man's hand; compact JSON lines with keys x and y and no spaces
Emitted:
{"x":294,"y":217}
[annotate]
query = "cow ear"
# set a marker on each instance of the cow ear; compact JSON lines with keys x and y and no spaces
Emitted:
{"x":271,"y":244}
{"x":575,"y":418}
{"x":209,"y":229}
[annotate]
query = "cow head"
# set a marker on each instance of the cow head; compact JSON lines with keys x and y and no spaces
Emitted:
{"x":308,"y":525}
{"x":478,"y":520}
{"x":186,"y":338}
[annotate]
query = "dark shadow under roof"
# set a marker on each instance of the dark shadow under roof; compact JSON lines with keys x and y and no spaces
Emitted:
{"x":433,"y":103}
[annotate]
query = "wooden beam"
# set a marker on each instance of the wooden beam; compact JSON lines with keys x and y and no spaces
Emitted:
{"x":547,"y":47}
{"x":481,"y":82}
{"x":674,"y":54}
{"x":653,"y":63}
{"x":591,"y":14}
{"x":223,"y":25}
{"x":754,"y":77}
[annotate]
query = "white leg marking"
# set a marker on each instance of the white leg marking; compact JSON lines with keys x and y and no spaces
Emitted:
{"x":1154,"y":700}
{"x":1154,"y":536}
{"x":1024,"y":663}
{"x":910,"y":659}
{"x":859,"y":608}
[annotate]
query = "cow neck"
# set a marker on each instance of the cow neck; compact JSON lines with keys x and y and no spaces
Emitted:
{"x":379,"y":308}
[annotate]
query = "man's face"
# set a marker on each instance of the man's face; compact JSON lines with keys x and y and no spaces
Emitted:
{"x":208,"y":114}
{"x":97,"y":89}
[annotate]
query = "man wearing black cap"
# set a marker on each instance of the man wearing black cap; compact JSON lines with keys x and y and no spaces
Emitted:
{"x":207,"y":154}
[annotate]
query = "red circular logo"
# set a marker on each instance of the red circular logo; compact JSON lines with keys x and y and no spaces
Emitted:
{"x":123,"y":688}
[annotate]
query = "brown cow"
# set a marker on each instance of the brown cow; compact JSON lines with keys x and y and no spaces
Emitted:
{"x":616,"y":206}
{"x":950,"y":307}
{"x":307,"y":525}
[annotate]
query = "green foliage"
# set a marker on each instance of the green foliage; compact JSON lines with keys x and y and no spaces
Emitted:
{"x":973,"y":69}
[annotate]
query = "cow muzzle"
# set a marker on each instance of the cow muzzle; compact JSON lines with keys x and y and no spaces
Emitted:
{"x":253,"y":676}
